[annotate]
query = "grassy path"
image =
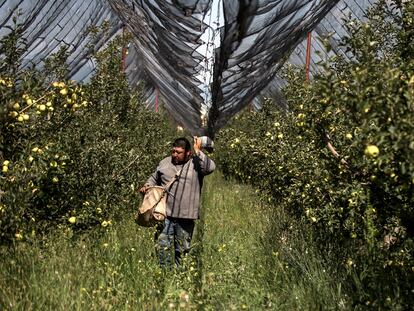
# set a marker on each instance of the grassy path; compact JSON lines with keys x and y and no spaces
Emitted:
{"x":243,"y":258}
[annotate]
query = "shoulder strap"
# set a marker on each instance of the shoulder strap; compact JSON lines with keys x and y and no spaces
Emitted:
{"x":169,"y":184}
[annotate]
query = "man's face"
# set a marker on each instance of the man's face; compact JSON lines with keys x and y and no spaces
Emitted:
{"x":179,"y":156}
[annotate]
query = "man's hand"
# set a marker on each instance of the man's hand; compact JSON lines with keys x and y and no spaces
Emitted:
{"x":143,"y":189}
{"x":197,"y":144}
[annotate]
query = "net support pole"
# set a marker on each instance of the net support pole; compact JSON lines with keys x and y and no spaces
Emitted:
{"x":124,"y":51}
{"x":308,"y":54}
{"x":157,"y":93}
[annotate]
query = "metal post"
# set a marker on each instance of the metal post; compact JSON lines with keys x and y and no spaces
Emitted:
{"x":156,"y":99}
{"x":308,"y":55}
{"x":124,"y":50}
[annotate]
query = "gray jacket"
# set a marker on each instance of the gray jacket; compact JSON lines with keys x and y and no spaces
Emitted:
{"x":183,"y":200}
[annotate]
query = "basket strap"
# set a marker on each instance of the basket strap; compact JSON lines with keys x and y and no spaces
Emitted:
{"x":176,"y":176}
{"x":168,"y":185}
{"x":165,"y":190}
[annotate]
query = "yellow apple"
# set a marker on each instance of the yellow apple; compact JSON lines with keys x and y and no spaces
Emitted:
{"x":371,"y":151}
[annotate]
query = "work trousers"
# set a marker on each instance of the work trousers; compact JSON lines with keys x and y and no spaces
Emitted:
{"x":173,"y":240}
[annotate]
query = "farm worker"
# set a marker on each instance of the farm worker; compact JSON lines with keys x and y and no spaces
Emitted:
{"x":183,"y":199}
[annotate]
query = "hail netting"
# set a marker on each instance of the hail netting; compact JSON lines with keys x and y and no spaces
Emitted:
{"x":257,"y":37}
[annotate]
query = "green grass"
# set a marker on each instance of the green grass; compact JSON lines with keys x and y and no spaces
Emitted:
{"x":246,"y":255}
